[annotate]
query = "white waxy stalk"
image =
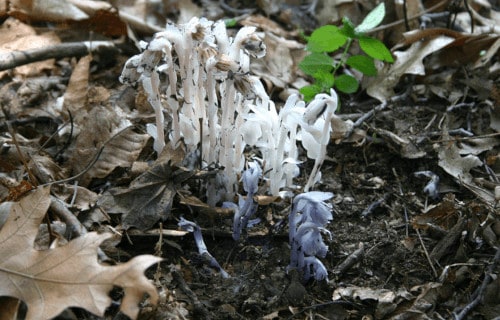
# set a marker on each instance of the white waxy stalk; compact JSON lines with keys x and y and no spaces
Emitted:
{"x":210,"y":152}
{"x":236,"y":46}
{"x":202,"y":65}
{"x":330,"y":103}
{"x":172,"y":102}
{"x":228,"y":106}
{"x":220,"y":34}
{"x":151,"y":86}
{"x":287,"y":127}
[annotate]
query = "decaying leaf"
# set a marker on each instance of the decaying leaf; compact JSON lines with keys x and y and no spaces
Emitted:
{"x":105,"y":126}
{"x":51,"y":10}
{"x":407,"y":62}
{"x":403,"y":144}
{"x":454,"y":164}
{"x":50,"y":281}
{"x":15,"y":35}
{"x":76,"y":94}
{"x":459,"y":167}
{"x":387,"y":300}
{"x":278,"y":65}
{"x":149,"y":197}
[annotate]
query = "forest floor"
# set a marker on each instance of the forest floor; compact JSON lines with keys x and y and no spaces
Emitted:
{"x":397,"y":251}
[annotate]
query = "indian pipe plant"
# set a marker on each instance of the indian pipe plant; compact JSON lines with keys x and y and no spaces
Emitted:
{"x":198,"y":77}
{"x":198,"y":82}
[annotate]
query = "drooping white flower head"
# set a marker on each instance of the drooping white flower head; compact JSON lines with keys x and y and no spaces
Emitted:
{"x":314,"y":268}
{"x":310,"y":240}
{"x":251,"y":177}
{"x":312,"y":207}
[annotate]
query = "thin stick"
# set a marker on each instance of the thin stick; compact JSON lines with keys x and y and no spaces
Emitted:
{"x":74,"y":226}
{"x":91,"y":163}
{"x":427,"y":254}
{"x":398,"y":22}
{"x":71,"y":49}
{"x":480,"y":291}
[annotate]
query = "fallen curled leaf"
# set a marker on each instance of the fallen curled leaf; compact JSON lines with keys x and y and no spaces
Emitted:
{"x":17,"y":36}
{"x":50,"y":10}
{"x":149,"y":197}
{"x":49,"y":281}
{"x":407,"y":62}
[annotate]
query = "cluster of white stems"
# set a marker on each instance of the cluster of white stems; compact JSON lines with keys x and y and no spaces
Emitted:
{"x":198,"y":82}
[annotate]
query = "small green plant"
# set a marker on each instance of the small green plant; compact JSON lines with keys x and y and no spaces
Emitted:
{"x":327,"y":39}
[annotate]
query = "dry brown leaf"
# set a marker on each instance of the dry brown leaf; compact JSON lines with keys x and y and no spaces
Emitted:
{"x":386,"y":299}
{"x":105,"y":126}
{"x":50,"y":281}
{"x":278,"y":66}
{"x":103,"y":18}
{"x":10,"y":308}
{"x":459,"y":168}
{"x":149,"y":197}
{"x":15,"y":35}
{"x":407,"y":62}
{"x":45,"y":10}
{"x":4,"y":6}
{"x":75,"y":97}
{"x":80,"y":198}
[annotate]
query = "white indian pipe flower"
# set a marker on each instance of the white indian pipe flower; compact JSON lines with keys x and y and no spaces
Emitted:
{"x":213,"y":104}
{"x":323,"y":106}
{"x":307,"y":221}
{"x":310,"y":240}
{"x":432,"y":187}
{"x":246,"y":208}
{"x":251,"y":177}
{"x":312,"y":207}
{"x":314,"y":268}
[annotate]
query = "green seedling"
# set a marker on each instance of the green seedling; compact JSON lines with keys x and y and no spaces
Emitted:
{"x":327,"y":39}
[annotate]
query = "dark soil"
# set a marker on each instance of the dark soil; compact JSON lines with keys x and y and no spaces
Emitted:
{"x":377,"y":198}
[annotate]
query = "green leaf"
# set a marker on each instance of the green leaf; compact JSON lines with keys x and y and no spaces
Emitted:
{"x":373,"y":19}
{"x":324,"y":80}
{"x":230,"y":23}
{"x":309,"y":92}
{"x":316,"y":62}
{"x":375,"y":49}
{"x":362,"y":63}
{"x":346,"y":83}
{"x":348,"y":28}
{"x":326,"y":39}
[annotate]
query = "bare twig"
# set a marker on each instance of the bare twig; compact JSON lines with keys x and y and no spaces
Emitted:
{"x":71,"y":49}
{"x":91,"y":163}
{"x":448,"y":241}
{"x":480,"y":291}
{"x":427,"y":254}
{"x":351,"y":260}
{"x":402,"y":21}
{"x":369,"y":114}
{"x":199,"y":308}
{"x":74,"y":228}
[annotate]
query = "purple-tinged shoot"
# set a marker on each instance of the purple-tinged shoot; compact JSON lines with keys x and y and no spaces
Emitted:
{"x":246,"y":208}
{"x":310,"y":240}
{"x":309,"y":215}
{"x":315,"y":268}
{"x":250,"y":178}
{"x":310,"y":206}
{"x":190,"y":226}
{"x":432,"y":187}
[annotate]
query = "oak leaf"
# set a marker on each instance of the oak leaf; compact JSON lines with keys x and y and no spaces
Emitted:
{"x":50,"y":281}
